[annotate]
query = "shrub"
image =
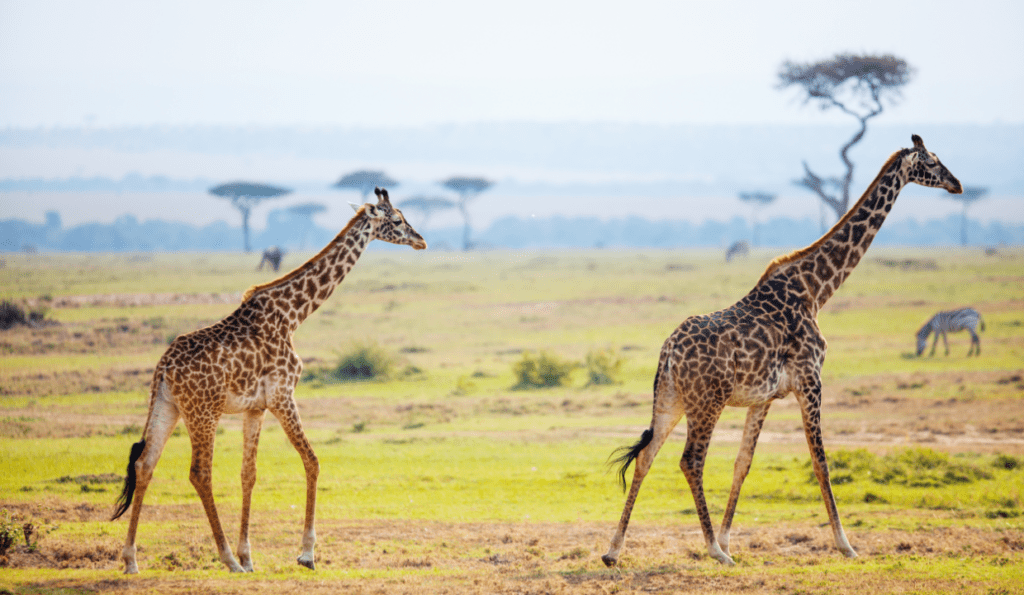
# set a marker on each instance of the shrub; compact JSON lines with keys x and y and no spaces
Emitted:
{"x":603,"y":367}
{"x":363,"y":361}
{"x":1006,"y":462}
{"x":540,"y":371}
{"x":8,"y":531}
{"x":12,"y":314}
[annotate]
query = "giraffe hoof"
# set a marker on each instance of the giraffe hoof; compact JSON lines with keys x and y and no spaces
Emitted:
{"x":608,"y":560}
{"x":308,"y":563}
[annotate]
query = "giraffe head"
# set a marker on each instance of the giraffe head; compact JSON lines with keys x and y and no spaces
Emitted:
{"x":389,"y":223}
{"x":927,"y":170}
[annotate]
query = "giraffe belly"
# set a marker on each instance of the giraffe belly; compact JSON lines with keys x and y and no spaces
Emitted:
{"x":776,"y":386}
{"x":255,"y":400}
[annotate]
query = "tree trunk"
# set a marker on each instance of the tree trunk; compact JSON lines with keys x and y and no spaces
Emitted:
{"x":245,"y":229}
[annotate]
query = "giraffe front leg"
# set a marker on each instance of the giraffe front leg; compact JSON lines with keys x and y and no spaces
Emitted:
{"x":201,"y":476}
{"x":288,"y":415}
{"x":810,"y":410}
{"x":251,"y":427}
{"x":751,"y":431}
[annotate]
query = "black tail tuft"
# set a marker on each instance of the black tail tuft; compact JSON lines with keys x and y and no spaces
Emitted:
{"x":125,"y":499}
{"x":628,"y":453}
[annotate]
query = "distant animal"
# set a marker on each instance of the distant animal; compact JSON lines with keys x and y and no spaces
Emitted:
{"x":738,"y":248}
{"x":951,"y":321}
{"x":247,"y":364}
{"x":271,"y":256}
{"x":763,"y":348}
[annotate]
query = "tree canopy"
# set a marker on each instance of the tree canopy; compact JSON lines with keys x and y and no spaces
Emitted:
{"x":467,"y":186}
{"x":365,"y":181}
{"x":856,"y":85}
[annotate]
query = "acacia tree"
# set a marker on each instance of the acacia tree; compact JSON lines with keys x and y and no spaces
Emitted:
{"x":428,"y":205}
{"x":244,"y":196}
{"x":855,"y":85}
{"x":970,"y":195}
{"x":758,"y":200}
{"x":365,"y":181}
{"x":305,"y":212}
{"x":467,"y":189}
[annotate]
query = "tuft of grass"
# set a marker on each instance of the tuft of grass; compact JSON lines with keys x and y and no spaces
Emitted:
{"x":916,"y":467}
{"x":540,"y":371}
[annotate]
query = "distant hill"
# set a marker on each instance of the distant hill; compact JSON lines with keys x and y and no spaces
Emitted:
{"x":566,"y":159}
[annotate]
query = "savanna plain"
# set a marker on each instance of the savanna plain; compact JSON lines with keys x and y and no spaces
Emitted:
{"x":449,"y":473}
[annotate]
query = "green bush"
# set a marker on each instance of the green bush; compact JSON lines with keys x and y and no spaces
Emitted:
{"x":603,"y":367}
{"x":363,"y":361}
{"x":540,"y":371}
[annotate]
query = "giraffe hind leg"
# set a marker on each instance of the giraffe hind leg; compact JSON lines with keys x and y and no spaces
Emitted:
{"x":162,"y":420}
{"x":642,"y":455}
{"x":698,"y":437}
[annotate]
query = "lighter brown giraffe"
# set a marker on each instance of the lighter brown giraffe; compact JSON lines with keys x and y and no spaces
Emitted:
{"x":763,"y":348}
{"x":247,"y":364}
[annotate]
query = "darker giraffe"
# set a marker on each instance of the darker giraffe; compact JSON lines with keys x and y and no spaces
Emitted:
{"x":246,"y":364}
{"x":762,"y":348}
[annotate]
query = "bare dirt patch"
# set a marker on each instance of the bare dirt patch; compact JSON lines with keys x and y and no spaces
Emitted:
{"x":517,"y":557}
{"x":123,"y":300}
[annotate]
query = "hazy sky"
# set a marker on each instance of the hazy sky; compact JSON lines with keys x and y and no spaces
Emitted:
{"x":381,"y":63}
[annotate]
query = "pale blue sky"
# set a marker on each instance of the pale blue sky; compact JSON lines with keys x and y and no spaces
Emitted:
{"x":380,"y":63}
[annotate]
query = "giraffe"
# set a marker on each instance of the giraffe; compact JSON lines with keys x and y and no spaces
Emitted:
{"x":762,"y":348}
{"x":246,"y":364}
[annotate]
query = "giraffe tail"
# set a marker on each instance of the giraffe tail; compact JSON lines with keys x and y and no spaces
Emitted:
{"x":125,"y":499}
{"x":627,"y":454}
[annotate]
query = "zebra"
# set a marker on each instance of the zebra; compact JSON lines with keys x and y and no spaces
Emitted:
{"x":951,"y":321}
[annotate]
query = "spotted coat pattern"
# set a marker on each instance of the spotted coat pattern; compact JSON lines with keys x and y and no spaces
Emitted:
{"x":246,"y":364}
{"x":763,"y":348}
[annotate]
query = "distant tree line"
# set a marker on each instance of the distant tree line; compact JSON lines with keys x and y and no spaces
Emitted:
{"x":288,"y":228}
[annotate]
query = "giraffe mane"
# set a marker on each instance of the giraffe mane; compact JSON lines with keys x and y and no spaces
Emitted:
{"x":306,"y":265}
{"x":802,"y":252}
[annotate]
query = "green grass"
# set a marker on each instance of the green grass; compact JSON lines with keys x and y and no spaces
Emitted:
{"x":455,"y":443}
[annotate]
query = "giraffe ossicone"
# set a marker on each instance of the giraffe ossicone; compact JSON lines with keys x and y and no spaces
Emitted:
{"x":763,"y":348}
{"x":246,"y":364}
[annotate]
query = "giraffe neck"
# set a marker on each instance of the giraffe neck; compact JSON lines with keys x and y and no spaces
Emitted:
{"x":823,"y":266}
{"x":292,"y":298}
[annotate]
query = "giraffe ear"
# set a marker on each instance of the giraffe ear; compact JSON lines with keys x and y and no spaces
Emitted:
{"x":354,"y":206}
{"x":918,"y":143}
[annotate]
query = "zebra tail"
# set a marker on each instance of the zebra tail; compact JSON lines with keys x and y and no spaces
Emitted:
{"x":981,"y":321}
